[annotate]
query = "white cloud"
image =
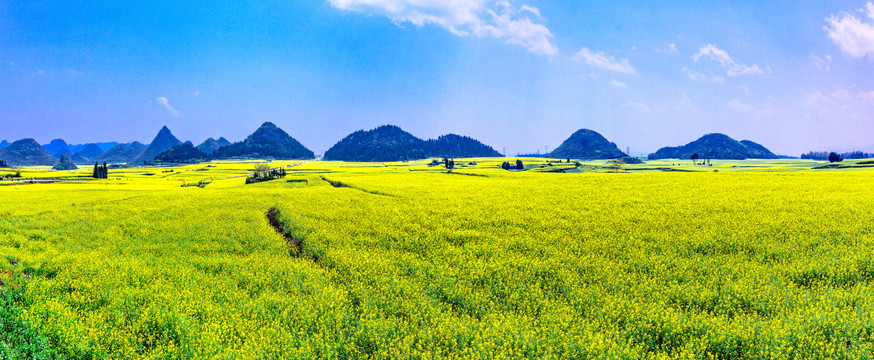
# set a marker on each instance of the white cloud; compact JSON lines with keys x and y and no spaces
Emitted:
{"x":618,"y":84}
{"x":602,"y":61}
{"x":732,"y":66}
{"x":166,"y":104}
{"x":638,"y":106}
{"x":482,"y":18}
{"x":683,"y":104}
{"x":851,"y":34}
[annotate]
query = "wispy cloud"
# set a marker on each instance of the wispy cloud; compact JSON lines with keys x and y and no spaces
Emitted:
{"x":732,"y":66}
{"x":602,"y":61}
{"x":667,"y":49}
{"x":822,"y":63}
{"x":846,"y":114}
{"x":166,"y":104}
{"x":694,"y":75}
{"x":481,"y":18}
{"x":618,"y":84}
{"x":853,"y":35}
{"x":740,"y":106}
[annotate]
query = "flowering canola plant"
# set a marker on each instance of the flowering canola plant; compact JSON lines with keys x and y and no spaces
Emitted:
{"x":406,"y":261}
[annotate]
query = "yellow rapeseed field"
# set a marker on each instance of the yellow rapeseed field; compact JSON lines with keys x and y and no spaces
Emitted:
{"x":401,"y":260}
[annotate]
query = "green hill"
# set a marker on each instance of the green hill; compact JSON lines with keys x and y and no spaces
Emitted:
{"x":385,"y":143}
{"x":457,"y":146}
{"x":163,"y":141}
{"x":715,"y":146}
{"x":182,"y":154}
{"x":65,"y":164}
{"x":391,"y":143}
{"x":268,"y":141}
{"x":26,"y":152}
{"x":586,"y":144}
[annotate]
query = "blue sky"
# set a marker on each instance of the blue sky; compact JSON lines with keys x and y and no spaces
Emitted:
{"x":521,"y":75}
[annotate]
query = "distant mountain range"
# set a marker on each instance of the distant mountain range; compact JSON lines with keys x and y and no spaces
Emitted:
{"x":384,"y":143}
{"x":391,"y":143}
{"x":715,"y":146}
{"x":104,"y":146}
{"x":121,"y":153}
{"x":87,"y":153}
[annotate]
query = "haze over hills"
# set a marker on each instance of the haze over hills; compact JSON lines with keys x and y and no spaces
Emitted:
{"x":268,"y":141}
{"x":91,"y":151}
{"x":63,"y":152}
{"x":26,"y":152}
{"x":87,"y":153}
{"x":162,"y":142}
{"x":105,"y":146}
{"x":79,"y":159}
{"x":210,"y":145}
{"x":56,"y":148}
{"x":715,"y":146}
{"x":121,"y":153}
{"x":391,"y":143}
{"x":586,"y":144}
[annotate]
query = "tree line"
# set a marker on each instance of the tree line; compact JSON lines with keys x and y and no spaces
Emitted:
{"x":832,"y":156}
